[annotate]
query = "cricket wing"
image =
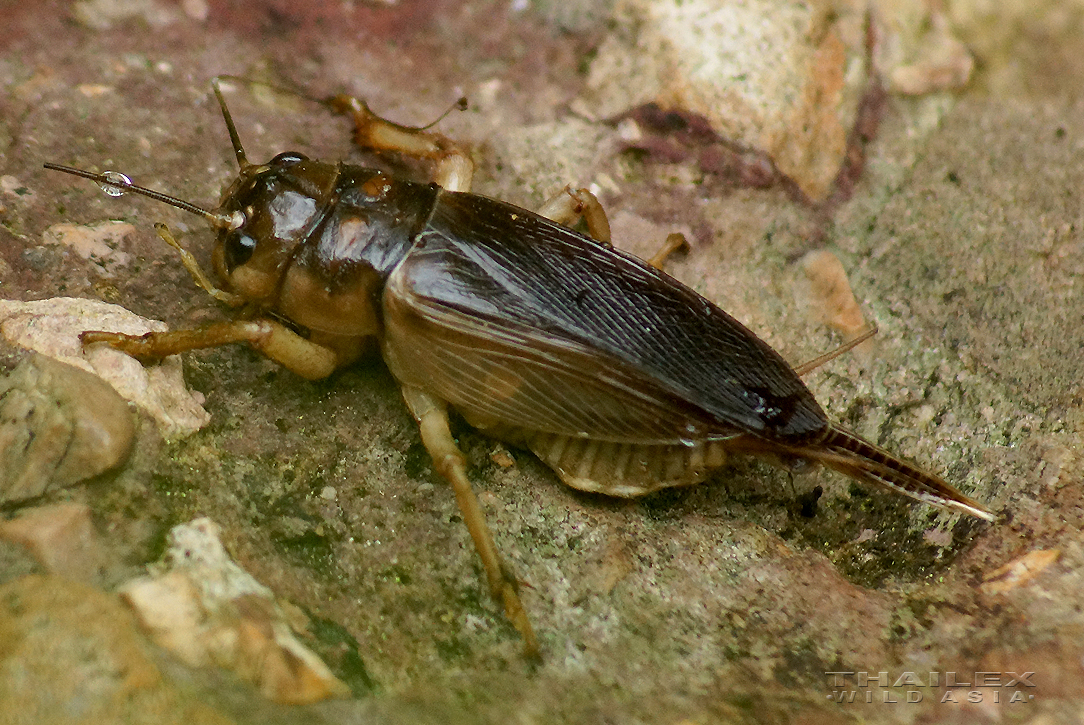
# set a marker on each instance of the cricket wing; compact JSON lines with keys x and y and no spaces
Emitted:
{"x":505,"y":377}
{"x":520,"y":321}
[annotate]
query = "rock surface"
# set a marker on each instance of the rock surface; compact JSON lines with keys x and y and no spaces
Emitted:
{"x":726,"y":602}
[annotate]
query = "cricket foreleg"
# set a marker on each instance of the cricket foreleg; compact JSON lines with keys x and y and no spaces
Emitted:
{"x":273,"y":339}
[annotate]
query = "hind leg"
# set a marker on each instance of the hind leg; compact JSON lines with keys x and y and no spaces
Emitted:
{"x":453,"y":168}
{"x":432,"y":416}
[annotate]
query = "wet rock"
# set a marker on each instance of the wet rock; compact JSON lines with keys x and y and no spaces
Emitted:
{"x":52,"y":327}
{"x":59,"y":425}
{"x":208,"y":611}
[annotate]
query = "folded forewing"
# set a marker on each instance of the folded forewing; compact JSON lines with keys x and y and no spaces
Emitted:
{"x":522,"y":322}
{"x":500,"y":375}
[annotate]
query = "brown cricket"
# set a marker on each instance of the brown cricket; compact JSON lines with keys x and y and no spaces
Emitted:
{"x":616,"y":375}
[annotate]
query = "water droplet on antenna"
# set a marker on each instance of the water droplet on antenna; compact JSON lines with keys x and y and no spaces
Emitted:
{"x":113,"y":182}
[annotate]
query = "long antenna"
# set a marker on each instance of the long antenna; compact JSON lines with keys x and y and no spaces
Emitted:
{"x":235,"y":140}
{"x":117,"y":184}
{"x":460,"y":105}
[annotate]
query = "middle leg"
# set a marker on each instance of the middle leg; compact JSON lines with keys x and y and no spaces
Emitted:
{"x":571,"y":205}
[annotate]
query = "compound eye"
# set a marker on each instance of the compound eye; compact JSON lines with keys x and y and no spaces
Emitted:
{"x":287,"y":158}
{"x":237,"y":249}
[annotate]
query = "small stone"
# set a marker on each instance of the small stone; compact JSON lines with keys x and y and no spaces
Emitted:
{"x":52,"y":327}
{"x":830,"y":295}
{"x":502,"y":458}
{"x":59,"y":425}
{"x":97,"y":243}
{"x":1019,"y":571}
{"x":919,"y":52}
{"x":12,"y":186}
{"x":93,"y":90}
{"x":38,"y":258}
{"x":169,"y":610}
{"x":196,"y":9}
{"x":104,"y":14}
{"x":207,"y":610}
{"x":61,"y":537}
